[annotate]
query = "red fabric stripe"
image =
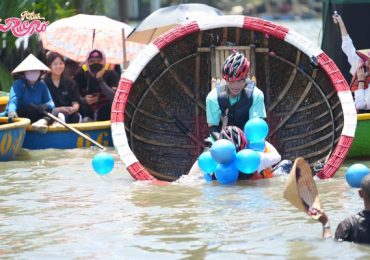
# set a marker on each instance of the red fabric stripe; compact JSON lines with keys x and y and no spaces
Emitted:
{"x":264,"y":26}
{"x":120,"y":100}
{"x":175,"y":34}
{"x":139,"y":173}
{"x":331,"y":69}
{"x":337,"y":157}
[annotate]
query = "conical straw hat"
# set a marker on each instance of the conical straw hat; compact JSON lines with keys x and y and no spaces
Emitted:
{"x":30,"y":63}
{"x":300,"y":189}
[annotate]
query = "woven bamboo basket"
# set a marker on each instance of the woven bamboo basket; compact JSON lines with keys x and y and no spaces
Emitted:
{"x":159,"y":119}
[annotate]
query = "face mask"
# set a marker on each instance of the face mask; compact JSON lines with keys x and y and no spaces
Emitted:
{"x":94,"y":68}
{"x":32,"y":75}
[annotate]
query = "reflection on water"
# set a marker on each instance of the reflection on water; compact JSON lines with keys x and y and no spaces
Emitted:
{"x":52,"y":205}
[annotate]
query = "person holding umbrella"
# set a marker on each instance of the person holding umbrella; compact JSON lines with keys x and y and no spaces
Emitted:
{"x":29,"y":96}
{"x":97,"y":85}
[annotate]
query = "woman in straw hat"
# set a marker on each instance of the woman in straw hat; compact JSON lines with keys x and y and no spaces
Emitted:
{"x":29,"y":96}
{"x":360,"y":67}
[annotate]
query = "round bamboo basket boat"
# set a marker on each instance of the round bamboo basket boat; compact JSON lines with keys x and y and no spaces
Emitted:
{"x":158,"y":115}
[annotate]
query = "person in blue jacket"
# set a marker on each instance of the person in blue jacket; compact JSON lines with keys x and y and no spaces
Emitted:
{"x":29,"y":96}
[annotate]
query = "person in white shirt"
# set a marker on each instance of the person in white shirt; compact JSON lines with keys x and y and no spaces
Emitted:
{"x":360,"y":66}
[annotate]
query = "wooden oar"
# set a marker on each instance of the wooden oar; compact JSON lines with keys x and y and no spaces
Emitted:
{"x":74,"y":130}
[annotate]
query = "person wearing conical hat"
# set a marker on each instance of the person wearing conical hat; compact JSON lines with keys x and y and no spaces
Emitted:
{"x":29,"y":96}
{"x":360,"y":67}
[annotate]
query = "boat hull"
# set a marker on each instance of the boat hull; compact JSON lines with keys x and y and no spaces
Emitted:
{"x":12,"y":137}
{"x":59,"y":137}
{"x":3,"y":102}
{"x":361,"y":144}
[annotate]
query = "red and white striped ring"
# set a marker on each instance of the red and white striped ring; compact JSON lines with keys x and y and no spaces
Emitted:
{"x":130,"y":75}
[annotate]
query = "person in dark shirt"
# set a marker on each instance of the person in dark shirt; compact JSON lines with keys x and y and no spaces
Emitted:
{"x":63,"y":90}
{"x":355,"y":228}
{"x":97,"y":85}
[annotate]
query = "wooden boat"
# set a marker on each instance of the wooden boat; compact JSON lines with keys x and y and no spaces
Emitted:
{"x":3,"y":102}
{"x":12,"y":137}
{"x":60,"y":137}
{"x":361,"y":144}
{"x":158,"y":115}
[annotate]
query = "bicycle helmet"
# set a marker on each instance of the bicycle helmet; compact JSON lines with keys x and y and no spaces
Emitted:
{"x":235,"y":135}
{"x":235,"y":67}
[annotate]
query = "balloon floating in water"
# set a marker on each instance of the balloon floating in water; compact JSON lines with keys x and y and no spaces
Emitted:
{"x":223,"y":151}
{"x":226,"y":173}
{"x":247,"y":161}
{"x":355,"y":173}
{"x":103,"y":163}
{"x":256,"y":129}
{"x":206,"y":162}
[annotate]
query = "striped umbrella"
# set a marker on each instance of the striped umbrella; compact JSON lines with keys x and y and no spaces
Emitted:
{"x":75,"y":36}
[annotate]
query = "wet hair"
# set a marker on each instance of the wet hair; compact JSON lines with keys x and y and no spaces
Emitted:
{"x":365,"y":186}
{"x":51,"y":56}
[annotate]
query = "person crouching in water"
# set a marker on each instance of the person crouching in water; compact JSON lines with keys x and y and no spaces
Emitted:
{"x":29,"y":96}
{"x":269,"y":157}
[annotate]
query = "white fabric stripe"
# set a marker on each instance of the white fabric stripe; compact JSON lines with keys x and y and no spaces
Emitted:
{"x":302,"y":43}
{"x":349,"y":113}
{"x":221,"y":21}
{"x":120,"y":142}
{"x":140,"y":61}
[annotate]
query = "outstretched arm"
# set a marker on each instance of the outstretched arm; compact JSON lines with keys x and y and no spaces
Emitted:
{"x":324,"y":220}
{"x":338,"y":20}
{"x":347,"y":45}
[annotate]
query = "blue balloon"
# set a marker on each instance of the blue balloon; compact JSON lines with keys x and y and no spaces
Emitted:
{"x":206,"y":162}
{"x":103,"y":163}
{"x":226,"y":173}
{"x":258,"y":146}
{"x":223,"y":151}
{"x":208,"y":177}
{"x":355,"y":173}
{"x":247,"y":161}
{"x":256,"y":129}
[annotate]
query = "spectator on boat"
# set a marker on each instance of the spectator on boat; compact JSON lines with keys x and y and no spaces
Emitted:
{"x":64,"y":91}
{"x":97,"y":85}
{"x":29,"y":96}
{"x":355,"y":228}
{"x":360,"y":66}
{"x":236,"y":99}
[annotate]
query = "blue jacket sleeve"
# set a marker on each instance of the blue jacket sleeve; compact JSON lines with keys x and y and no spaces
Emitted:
{"x":15,"y":95}
{"x":13,"y":101}
{"x":46,"y":97}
